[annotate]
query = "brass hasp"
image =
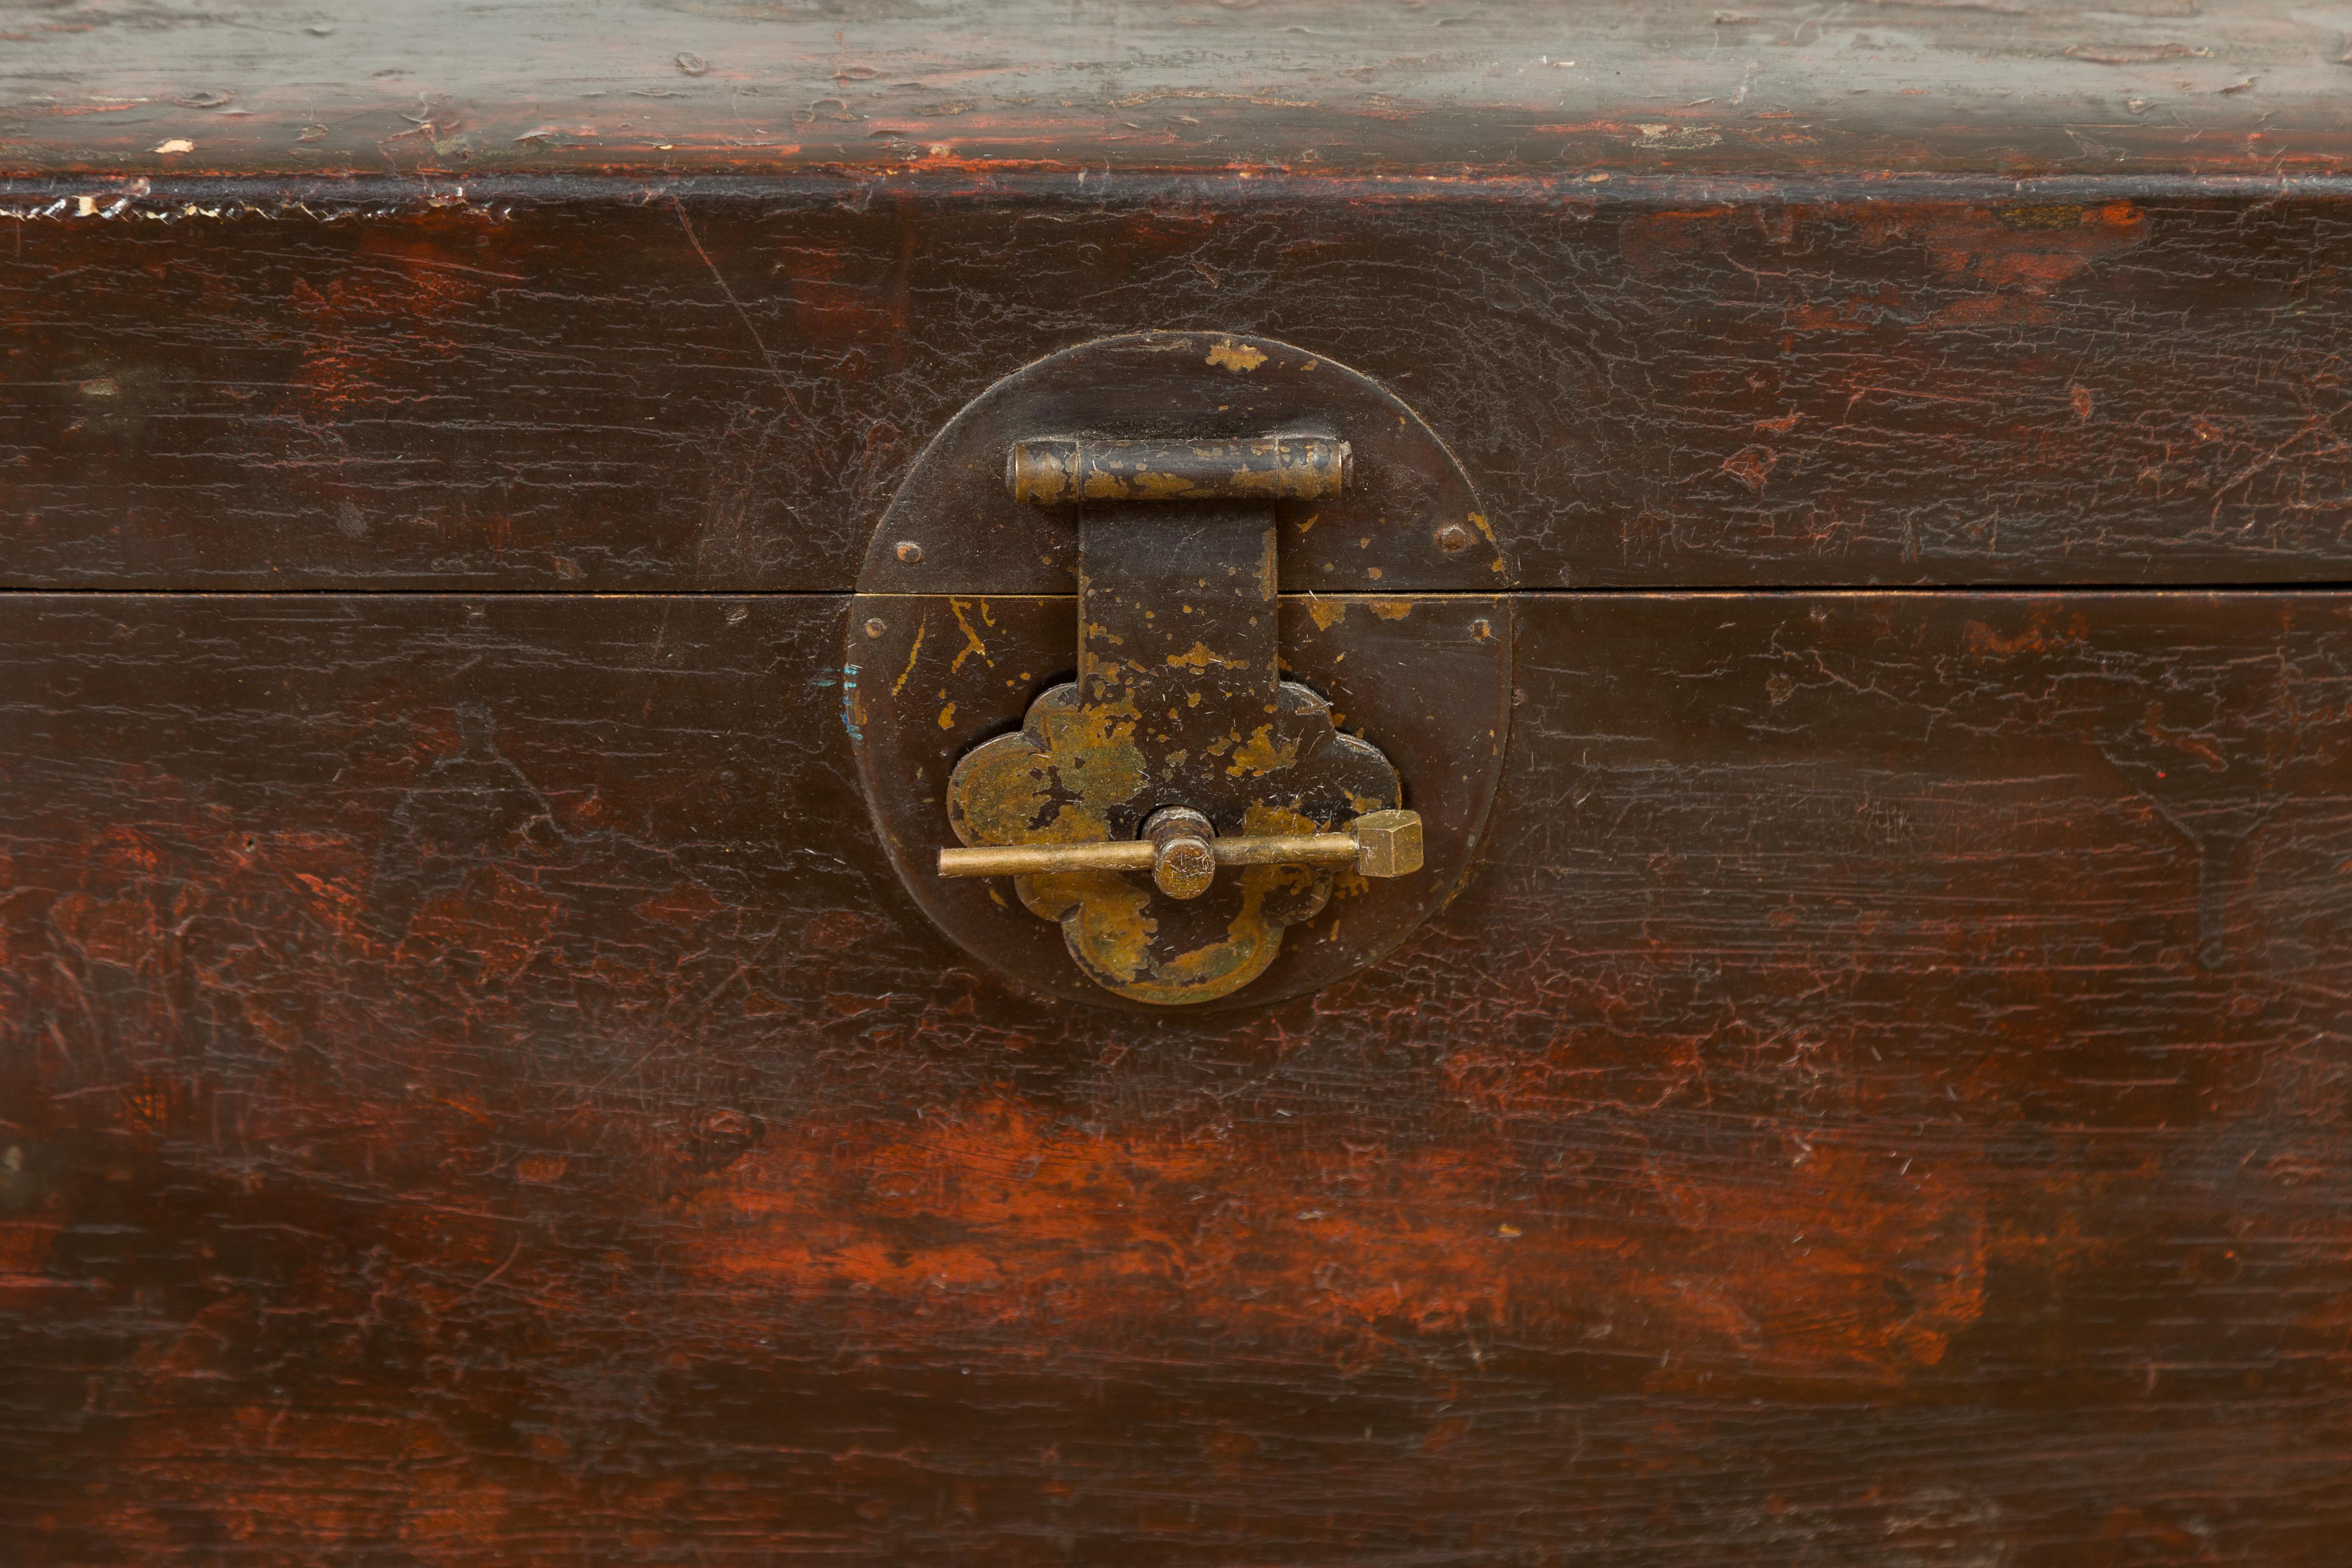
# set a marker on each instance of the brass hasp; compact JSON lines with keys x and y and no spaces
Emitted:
{"x":1179,"y":700}
{"x":1287,"y":602}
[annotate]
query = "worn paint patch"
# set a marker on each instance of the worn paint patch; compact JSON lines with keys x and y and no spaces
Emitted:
{"x":2025,"y":254}
{"x":972,"y":642}
{"x":2047,"y":631}
{"x":1675,"y":137}
{"x":1262,"y":753}
{"x":1200,"y":660}
{"x":1230,"y":356}
{"x":1841,"y":1266}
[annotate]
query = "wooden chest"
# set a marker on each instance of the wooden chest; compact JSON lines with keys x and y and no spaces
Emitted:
{"x":1756,"y":602}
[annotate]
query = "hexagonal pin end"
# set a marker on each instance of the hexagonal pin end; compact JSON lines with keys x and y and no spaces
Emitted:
{"x":1388,"y":843}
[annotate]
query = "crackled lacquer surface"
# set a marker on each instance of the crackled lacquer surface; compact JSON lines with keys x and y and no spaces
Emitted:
{"x":474,"y":1089}
{"x":338,"y":384}
{"x":476,"y":1093}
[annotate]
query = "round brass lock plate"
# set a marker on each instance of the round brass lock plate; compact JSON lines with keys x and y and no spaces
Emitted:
{"x":1388,"y":602}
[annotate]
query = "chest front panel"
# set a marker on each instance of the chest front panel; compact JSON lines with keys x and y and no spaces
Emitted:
{"x":488,"y":1070}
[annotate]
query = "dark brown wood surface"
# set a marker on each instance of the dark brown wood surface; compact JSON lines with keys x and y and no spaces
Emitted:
{"x":717,"y":384}
{"x":473,"y":1089}
{"x":475,"y":1093}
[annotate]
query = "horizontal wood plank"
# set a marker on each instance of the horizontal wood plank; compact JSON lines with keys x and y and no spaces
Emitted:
{"x":474,"y":1091}
{"x":719,"y":385}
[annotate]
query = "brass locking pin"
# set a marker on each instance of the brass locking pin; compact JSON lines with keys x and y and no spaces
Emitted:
{"x":1378,"y":844}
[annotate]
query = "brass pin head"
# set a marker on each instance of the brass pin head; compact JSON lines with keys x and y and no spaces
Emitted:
{"x":1388,"y":843}
{"x":908,"y":552}
{"x":1453,"y":538}
{"x":1184,"y":862}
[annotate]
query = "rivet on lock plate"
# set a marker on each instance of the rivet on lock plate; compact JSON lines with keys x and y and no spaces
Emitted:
{"x":1199,"y":648}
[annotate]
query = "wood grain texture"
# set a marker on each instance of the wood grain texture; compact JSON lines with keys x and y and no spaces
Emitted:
{"x":453,"y":87}
{"x":1885,"y":1102}
{"x":720,"y":384}
{"x":474,"y":1090}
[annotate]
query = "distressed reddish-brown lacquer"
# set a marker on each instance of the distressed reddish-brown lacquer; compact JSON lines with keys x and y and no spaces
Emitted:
{"x":474,"y":1089}
{"x":327,"y":386}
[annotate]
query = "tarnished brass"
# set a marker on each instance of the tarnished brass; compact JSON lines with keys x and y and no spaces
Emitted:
{"x":1178,"y":696}
{"x":1388,"y":843}
{"x":1057,"y":471}
{"x":1284,"y":599}
{"x":1184,"y":862}
{"x":1378,"y":844}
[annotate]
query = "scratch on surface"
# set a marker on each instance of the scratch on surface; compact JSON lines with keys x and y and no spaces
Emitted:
{"x":501,"y":1269}
{"x":973,"y":644}
{"x":720,"y":279}
{"x":921,"y":627}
